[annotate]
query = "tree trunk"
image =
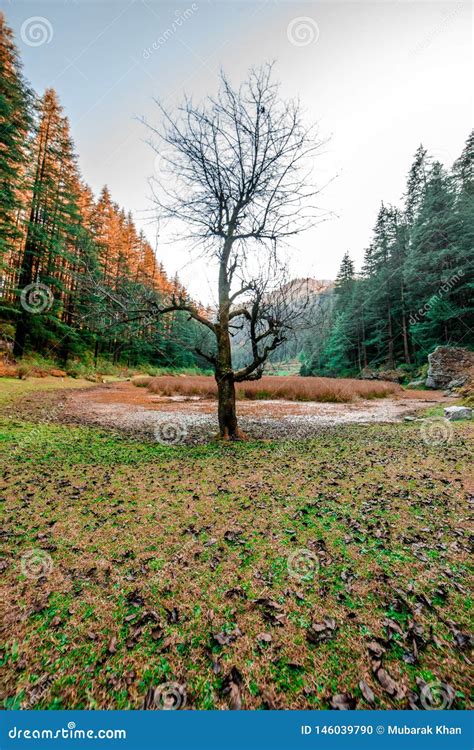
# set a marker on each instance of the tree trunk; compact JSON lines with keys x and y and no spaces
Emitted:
{"x":228,"y":427}
{"x":406,"y":347}
{"x":364,"y":348}
{"x":391,"y":353}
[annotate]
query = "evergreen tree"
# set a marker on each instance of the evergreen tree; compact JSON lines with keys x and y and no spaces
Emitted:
{"x":53,"y":216}
{"x":416,"y":183}
{"x":345,"y":281}
{"x":431,"y":263}
{"x":417,"y":282}
{"x":15,"y":122}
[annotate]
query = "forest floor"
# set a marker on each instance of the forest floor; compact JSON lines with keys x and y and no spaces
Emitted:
{"x":265,"y":574}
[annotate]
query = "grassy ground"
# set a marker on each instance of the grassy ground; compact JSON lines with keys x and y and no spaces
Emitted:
{"x":35,"y":366}
{"x":12,"y":388}
{"x":130,"y":565}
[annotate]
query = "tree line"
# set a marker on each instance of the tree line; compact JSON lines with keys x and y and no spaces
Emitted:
{"x":415,"y":289}
{"x":62,"y":251}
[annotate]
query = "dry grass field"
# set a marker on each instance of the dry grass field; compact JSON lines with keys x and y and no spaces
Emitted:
{"x":292,"y":388}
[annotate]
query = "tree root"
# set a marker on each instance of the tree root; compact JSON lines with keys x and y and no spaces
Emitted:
{"x":238,"y":436}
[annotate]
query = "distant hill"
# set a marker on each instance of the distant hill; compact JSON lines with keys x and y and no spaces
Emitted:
{"x":310,"y":285}
{"x":315,"y":296}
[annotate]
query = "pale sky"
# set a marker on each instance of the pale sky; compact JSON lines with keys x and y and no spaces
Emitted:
{"x":380,"y":78}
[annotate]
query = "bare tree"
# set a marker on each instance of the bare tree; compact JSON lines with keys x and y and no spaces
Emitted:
{"x":238,"y":183}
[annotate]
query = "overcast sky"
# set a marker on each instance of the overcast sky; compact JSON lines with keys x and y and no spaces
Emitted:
{"x":380,"y":78}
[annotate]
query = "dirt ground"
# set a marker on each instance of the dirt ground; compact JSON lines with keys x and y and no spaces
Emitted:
{"x":123,"y":407}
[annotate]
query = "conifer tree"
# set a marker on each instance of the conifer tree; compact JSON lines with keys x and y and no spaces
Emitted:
{"x":15,"y":123}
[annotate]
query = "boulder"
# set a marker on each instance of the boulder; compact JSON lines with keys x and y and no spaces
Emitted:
{"x":457,"y":412}
{"x":457,"y":383}
{"x":394,"y":376}
{"x":448,"y":364}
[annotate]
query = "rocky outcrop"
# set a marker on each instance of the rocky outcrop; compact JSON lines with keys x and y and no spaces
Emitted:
{"x":457,"y":412}
{"x":394,"y":376}
{"x":450,"y":367}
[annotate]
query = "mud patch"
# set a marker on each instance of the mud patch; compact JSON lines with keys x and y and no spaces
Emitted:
{"x":124,"y":407}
